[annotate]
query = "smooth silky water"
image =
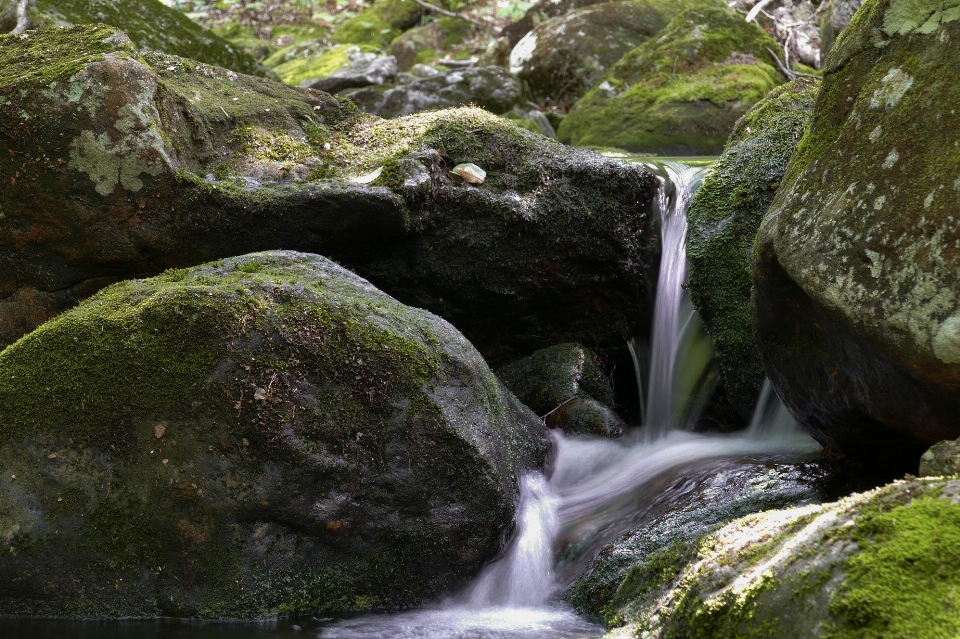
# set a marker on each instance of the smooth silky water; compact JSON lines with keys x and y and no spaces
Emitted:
{"x":595,"y":489}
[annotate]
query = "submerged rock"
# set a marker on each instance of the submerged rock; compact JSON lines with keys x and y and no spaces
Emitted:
{"x":855,"y":272}
{"x":681,"y":93}
{"x":562,"y":58}
{"x":257,"y":436}
{"x":723,"y":220}
{"x":565,"y":384}
{"x":878,"y":564}
{"x":157,"y":162}
{"x":151,"y":25}
{"x":490,"y":88}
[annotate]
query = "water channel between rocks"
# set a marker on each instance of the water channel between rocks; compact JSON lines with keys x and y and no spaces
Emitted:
{"x":594,"y":490}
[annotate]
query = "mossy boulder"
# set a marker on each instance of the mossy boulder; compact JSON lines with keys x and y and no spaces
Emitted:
{"x":564,"y":57}
{"x":491,"y":88}
{"x":723,"y":220}
{"x":151,"y":25}
{"x":263,"y":435}
{"x":424,"y":44}
{"x":875,"y":564}
{"x":943,"y":458}
{"x":541,"y":12}
{"x":641,"y":563}
{"x":681,"y":93}
{"x":566,"y":384}
{"x":838,"y":16}
{"x":310,"y":63}
{"x":855,"y":272}
{"x":379,"y":24}
{"x":157,"y":162}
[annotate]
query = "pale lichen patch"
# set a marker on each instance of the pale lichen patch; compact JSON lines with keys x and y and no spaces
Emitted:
{"x":876,"y":133}
{"x":919,"y":16}
{"x":891,"y":159}
{"x":946,"y":343}
{"x":893,"y":86}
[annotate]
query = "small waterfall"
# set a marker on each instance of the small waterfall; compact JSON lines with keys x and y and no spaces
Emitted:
{"x":673,"y":314}
{"x":771,"y":419}
{"x":524,"y":576}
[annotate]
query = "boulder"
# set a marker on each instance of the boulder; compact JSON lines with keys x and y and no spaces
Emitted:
{"x":855,"y":271}
{"x":943,"y":458}
{"x":688,"y":506}
{"x":424,"y":44}
{"x":343,"y":66}
{"x":379,"y":24}
{"x":875,"y":564}
{"x":565,"y":384}
{"x":539,"y":13}
{"x":257,"y":436}
{"x":491,"y":88}
{"x":723,"y":219}
{"x":838,"y":16}
{"x":151,"y":25}
{"x":681,"y":93}
{"x":564,"y":57}
{"x":157,"y":162}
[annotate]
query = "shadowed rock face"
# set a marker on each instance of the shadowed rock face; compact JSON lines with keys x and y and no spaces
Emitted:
{"x":156,"y":162}
{"x":251,"y":437}
{"x":855,"y":274}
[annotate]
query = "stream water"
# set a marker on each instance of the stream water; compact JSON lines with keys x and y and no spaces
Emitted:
{"x":594,"y":490}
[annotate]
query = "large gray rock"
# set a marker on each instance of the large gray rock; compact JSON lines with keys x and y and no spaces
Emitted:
{"x":855,"y":272}
{"x":266,"y":434}
{"x":491,"y":88}
{"x":874,"y":564}
{"x":159,"y":162}
{"x":943,"y":458}
{"x":361,"y":70}
{"x":837,"y":17}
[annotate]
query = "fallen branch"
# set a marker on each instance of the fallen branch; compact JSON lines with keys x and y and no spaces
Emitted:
{"x":562,"y":404}
{"x":447,"y":62}
{"x":756,"y":9}
{"x":450,"y":14}
{"x":790,"y":75}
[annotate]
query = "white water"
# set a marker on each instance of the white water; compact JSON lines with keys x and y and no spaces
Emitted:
{"x":597,"y":486}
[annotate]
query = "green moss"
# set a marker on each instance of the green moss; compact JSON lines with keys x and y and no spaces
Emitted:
{"x":301,"y":69}
{"x":905,"y":577}
{"x":152,"y":26}
{"x":379,"y":24}
{"x":679,"y":94}
{"x":724,"y":218}
{"x":30,"y":61}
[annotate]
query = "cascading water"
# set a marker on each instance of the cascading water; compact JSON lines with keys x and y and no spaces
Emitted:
{"x":598,"y":489}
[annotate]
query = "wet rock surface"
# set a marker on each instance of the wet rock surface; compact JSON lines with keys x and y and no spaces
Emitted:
{"x":257,"y":436}
{"x":855,"y":271}
{"x":943,"y":458}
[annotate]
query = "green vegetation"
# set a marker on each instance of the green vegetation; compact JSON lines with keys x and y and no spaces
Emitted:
{"x":379,"y":24}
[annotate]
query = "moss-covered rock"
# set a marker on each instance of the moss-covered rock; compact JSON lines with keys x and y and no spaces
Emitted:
{"x":262,"y":435}
{"x":564,"y":57}
{"x":856,"y":267}
{"x":539,"y":13}
{"x":157,"y":162}
{"x":641,"y":564}
{"x":491,"y":88}
{"x":566,"y":384}
{"x":943,"y":458}
{"x":681,"y":93}
{"x":379,"y":24}
{"x":838,"y":16}
{"x":723,"y":220}
{"x":312,"y":63}
{"x":151,"y":25}
{"x":877,"y":564}
{"x":425,"y":44}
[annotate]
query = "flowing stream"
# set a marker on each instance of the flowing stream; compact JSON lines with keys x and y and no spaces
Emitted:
{"x":594,"y":489}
